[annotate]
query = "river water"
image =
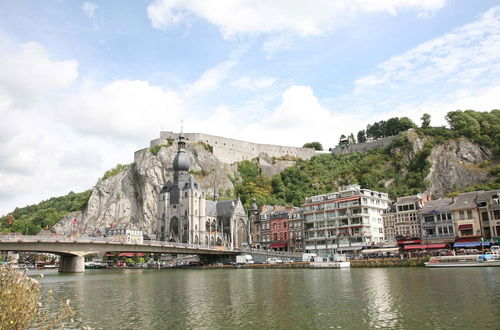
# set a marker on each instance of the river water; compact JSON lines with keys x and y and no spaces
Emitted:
{"x":408,"y":298}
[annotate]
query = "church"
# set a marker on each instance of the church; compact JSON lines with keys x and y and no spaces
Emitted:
{"x":185,"y":216}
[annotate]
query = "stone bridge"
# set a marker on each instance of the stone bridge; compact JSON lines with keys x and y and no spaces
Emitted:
{"x":73,"y":250}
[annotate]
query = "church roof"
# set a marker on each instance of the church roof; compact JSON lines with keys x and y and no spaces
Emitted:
{"x":226,"y":207}
{"x":211,"y":208}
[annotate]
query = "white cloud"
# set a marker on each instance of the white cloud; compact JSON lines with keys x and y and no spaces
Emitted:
{"x":209,"y":81}
{"x":28,"y":73}
{"x":253,"y":84}
{"x":57,"y":134}
{"x":464,"y":56}
{"x":89,"y":9}
{"x":123,"y":109}
{"x":304,"y":18}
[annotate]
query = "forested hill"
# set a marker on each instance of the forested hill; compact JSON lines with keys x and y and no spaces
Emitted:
{"x":471,"y":147}
{"x":438,"y":160}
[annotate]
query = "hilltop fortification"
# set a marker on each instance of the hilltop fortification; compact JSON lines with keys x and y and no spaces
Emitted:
{"x":231,"y":150}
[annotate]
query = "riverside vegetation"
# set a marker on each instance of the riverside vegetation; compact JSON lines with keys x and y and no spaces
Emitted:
{"x":21,"y":305}
{"x":397,"y":169}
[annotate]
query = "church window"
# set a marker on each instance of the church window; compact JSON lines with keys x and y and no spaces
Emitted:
{"x":186,"y":194}
{"x":186,"y":212}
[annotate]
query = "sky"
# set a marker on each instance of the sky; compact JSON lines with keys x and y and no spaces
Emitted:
{"x":84,"y":84}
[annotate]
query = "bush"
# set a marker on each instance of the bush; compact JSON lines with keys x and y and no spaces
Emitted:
{"x":21,"y":306}
{"x":114,"y":171}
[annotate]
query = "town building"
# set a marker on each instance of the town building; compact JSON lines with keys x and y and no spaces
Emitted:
{"x":407,"y":220}
{"x":344,"y":221}
{"x":296,"y":230}
{"x":125,"y":232}
{"x":437,"y":223}
{"x":264,"y":217}
{"x":185,"y":216}
{"x":279,"y":228}
{"x":389,"y":219}
{"x":488,"y":205}
{"x":466,"y":216}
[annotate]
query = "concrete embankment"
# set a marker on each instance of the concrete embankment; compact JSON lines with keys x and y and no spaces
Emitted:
{"x":389,"y":262}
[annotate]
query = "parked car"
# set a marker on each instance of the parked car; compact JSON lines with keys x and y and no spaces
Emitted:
{"x":274,"y":261}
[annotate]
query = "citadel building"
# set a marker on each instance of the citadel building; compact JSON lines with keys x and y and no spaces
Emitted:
{"x":185,"y":216}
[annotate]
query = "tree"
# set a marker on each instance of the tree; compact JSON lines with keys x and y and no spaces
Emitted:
{"x":315,"y":145}
{"x":361,"y":136}
{"x":352,"y":138}
{"x":426,"y":120}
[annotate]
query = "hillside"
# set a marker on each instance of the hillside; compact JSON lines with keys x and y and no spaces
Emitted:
{"x":437,"y":160}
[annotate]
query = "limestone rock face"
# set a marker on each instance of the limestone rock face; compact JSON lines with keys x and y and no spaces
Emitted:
{"x":131,"y":195}
{"x":455,"y":165}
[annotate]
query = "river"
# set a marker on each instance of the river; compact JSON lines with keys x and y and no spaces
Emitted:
{"x":408,"y":298}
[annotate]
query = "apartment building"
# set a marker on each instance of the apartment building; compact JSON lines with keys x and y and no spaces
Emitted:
{"x":279,"y":228}
{"x":406,"y":218}
{"x":488,"y":205}
{"x":344,"y":221}
{"x":295,"y":229}
{"x":262,"y":228}
{"x":466,"y":216}
{"x":437,"y":223}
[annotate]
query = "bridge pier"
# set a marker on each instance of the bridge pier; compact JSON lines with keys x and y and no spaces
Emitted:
{"x":71,"y":264}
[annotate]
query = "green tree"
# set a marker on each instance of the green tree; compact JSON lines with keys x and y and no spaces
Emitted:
{"x":361,"y":136}
{"x":426,"y":120}
{"x":315,"y":145}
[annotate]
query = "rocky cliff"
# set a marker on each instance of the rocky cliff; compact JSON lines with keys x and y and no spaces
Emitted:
{"x":130,"y":196}
{"x":456,"y":165}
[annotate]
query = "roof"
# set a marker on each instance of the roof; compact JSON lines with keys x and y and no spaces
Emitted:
{"x":226,"y":207}
{"x":437,"y":205}
{"x":466,"y":200}
{"x":407,"y":199}
{"x":211,"y":208}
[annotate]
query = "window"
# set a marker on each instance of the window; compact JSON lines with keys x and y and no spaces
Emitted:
{"x":462,"y":215}
{"x":275,"y":236}
{"x":469,"y":214}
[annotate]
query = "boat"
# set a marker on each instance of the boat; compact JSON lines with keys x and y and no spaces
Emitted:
{"x":330,"y":261}
{"x":95,"y":265}
{"x":473,"y":260}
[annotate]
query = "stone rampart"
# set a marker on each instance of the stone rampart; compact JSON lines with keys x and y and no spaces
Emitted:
{"x":361,"y":147}
{"x":231,"y":150}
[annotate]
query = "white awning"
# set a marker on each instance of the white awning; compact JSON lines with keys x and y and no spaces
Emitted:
{"x":394,"y":249}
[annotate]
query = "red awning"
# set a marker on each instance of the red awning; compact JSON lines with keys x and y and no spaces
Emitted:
{"x":415,"y":241}
{"x":130,"y":254}
{"x":465,"y":227}
{"x":425,"y":246}
{"x":467,"y":239}
{"x":278,"y":245}
{"x":436,"y":246}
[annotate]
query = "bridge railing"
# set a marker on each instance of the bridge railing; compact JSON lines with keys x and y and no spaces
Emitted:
{"x":104,"y":240}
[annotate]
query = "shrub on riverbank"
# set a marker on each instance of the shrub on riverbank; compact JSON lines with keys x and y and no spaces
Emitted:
{"x":21,"y":306}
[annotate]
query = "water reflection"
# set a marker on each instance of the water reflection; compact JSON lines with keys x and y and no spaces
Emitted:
{"x":382,"y":312}
{"x":284,"y":299}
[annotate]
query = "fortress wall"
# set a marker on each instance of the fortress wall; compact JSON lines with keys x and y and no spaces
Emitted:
{"x":361,"y":147}
{"x":231,"y":150}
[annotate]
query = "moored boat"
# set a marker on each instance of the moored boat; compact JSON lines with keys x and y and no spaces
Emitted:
{"x":475,"y":260}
